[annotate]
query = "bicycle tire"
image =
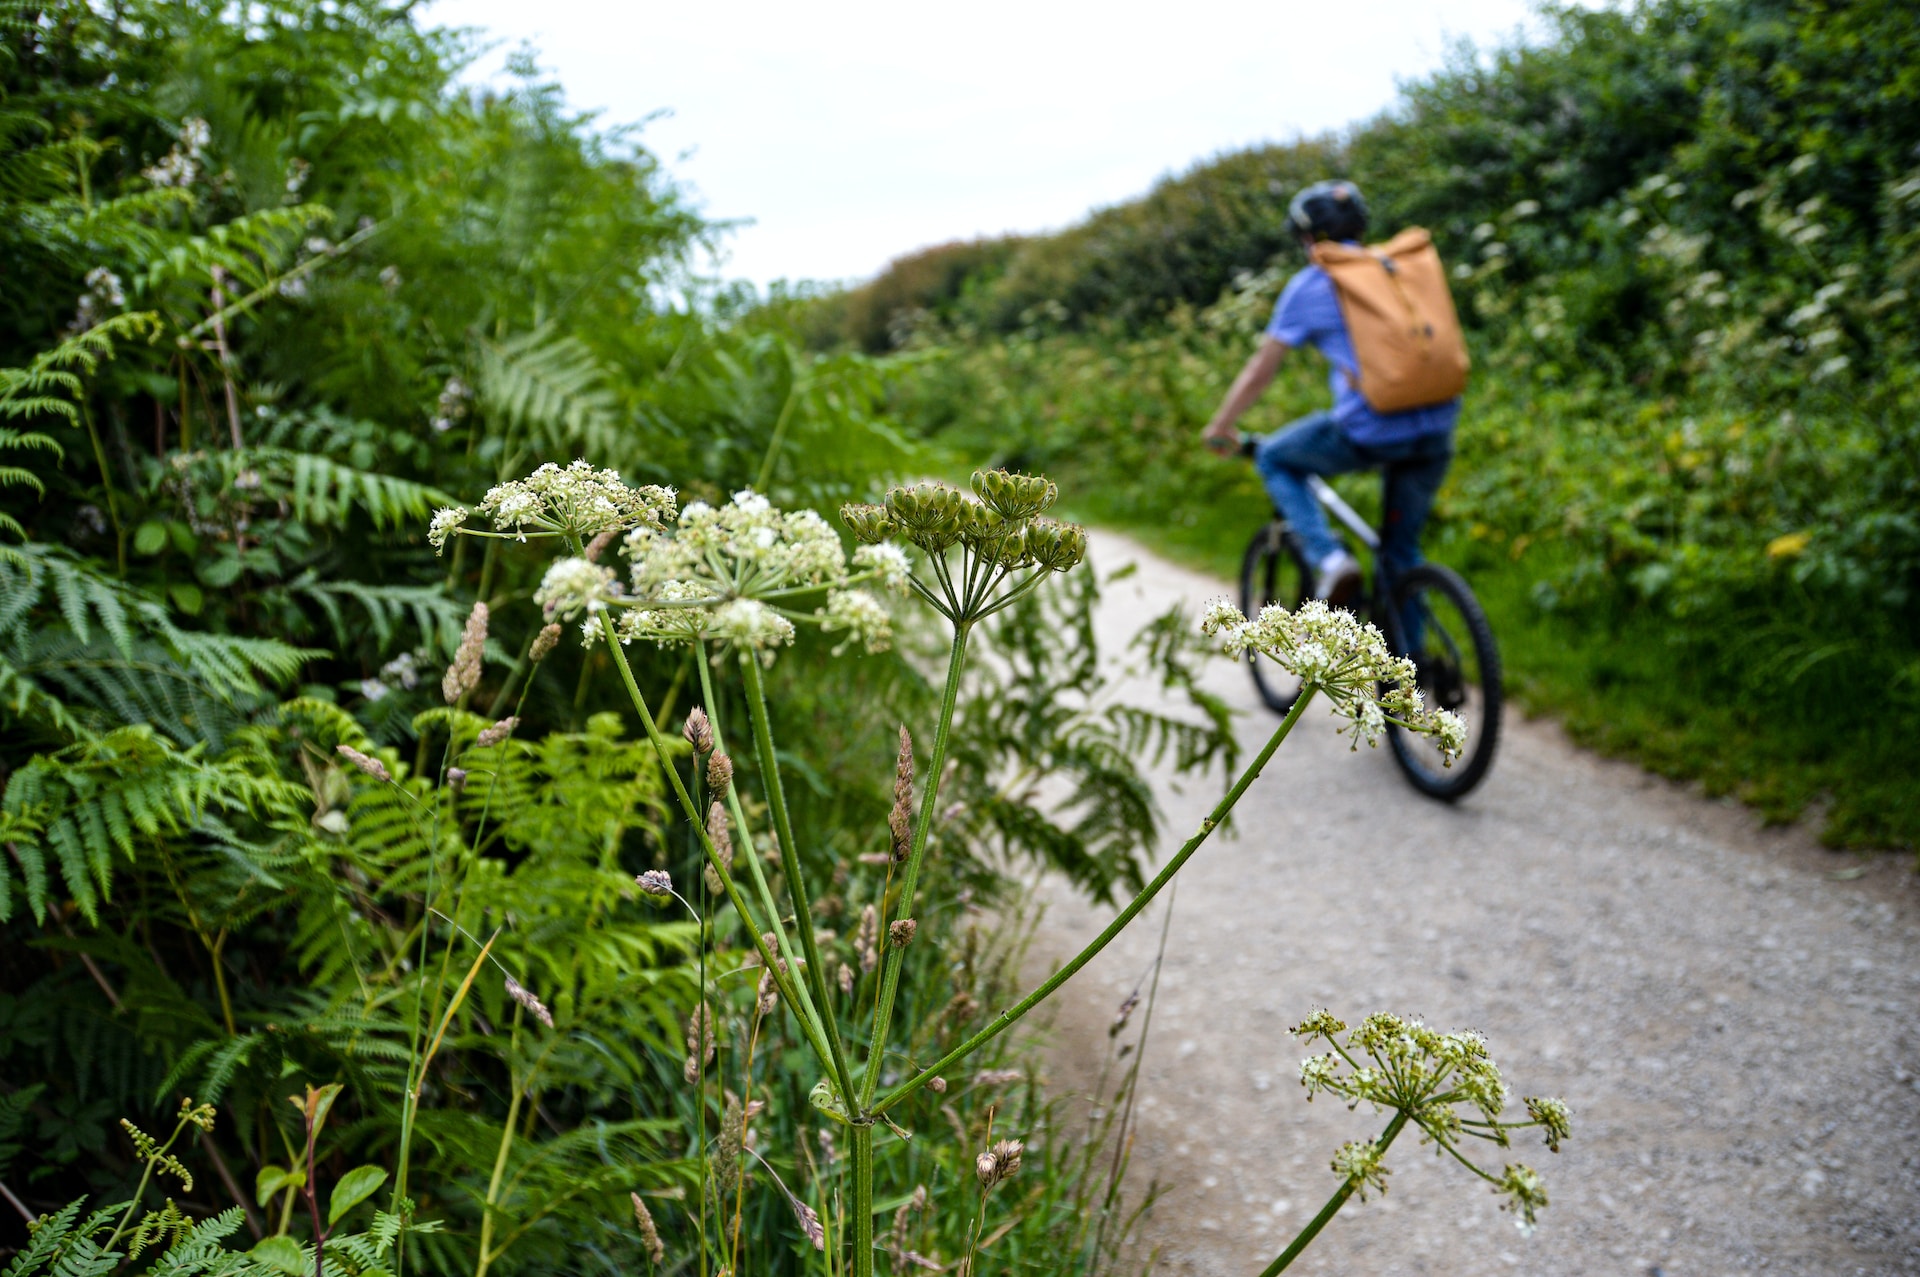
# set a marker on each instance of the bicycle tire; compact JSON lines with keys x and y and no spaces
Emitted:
{"x":1466,"y":665}
{"x":1265,"y":579}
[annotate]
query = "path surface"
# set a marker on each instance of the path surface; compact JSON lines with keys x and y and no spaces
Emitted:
{"x":1731,"y":1017}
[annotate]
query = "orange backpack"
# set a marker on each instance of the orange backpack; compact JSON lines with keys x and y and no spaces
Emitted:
{"x":1400,"y":315}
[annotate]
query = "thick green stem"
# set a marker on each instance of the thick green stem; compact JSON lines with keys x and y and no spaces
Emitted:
{"x":816,"y":973}
{"x":781,"y":980}
{"x":923,"y":826}
{"x":749,"y":855}
{"x":1332,"y":1208}
{"x":860,"y":1232}
{"x":1006,"y":1019}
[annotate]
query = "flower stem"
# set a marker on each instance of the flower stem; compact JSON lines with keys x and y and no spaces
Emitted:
{"x":781,"y":981}
{"x":1332,"y":1208}
{"x":815,"y":973}
{"x":1006,"y":1019}
{"x":891,"y":963}
{"x":744,"y":831}
{"x":860,"y":1230}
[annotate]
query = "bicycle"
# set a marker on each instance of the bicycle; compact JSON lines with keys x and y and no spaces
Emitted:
{"x":1451,"y":643}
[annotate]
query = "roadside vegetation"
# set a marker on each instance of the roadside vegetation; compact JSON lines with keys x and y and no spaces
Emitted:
{"x":1685,"y":238}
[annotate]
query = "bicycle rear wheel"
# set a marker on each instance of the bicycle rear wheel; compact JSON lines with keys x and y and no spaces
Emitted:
{"x":1436,"y":620}
{"x":1273,"y":571}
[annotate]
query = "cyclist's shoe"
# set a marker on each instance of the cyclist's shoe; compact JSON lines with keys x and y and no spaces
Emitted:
{"x":1337,"y":579}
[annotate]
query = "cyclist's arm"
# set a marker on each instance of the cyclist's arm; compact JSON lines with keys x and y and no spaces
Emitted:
{"x":1253,"y":380}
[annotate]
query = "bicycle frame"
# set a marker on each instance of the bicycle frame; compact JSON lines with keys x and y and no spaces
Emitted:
{"x":1324,"y":493}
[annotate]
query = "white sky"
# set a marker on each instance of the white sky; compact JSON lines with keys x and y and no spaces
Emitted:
{"x":852,"y":131}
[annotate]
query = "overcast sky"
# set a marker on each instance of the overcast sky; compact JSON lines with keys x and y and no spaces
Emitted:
{"x":850,"y":132}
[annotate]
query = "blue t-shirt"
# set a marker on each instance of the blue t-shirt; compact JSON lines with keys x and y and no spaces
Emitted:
{"x":1308,"y":314}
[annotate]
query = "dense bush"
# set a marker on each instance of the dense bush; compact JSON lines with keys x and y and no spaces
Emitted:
{"x":1684,"y":237}
{"x":277,"y":290}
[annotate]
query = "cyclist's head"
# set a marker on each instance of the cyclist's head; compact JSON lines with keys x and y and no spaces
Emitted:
{"x":1328,"y":210}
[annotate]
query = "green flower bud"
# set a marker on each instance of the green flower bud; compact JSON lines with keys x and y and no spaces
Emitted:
{"x":1014,"y":496}
{"x":932,"y":515}
{"x":1056,"y":546}
{"x":870,"y":524}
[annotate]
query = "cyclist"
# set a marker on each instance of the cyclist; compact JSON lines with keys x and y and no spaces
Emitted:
{"x":1415,"y":446}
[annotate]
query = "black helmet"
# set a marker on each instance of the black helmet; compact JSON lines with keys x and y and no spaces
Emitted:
{"x":1329,"y":210}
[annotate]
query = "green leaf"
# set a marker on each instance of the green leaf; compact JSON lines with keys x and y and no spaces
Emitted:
{"x":272,"y":1179}
{"x":150,"y":538}
{"x":187,"y":597}
{"x":356,"y":1186}
{"x":283,"y":1254}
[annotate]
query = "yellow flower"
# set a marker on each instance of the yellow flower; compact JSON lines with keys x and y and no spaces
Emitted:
{"x":1786,"y":547}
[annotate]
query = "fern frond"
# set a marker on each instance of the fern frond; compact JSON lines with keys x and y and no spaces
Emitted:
{"x":551,"y":387}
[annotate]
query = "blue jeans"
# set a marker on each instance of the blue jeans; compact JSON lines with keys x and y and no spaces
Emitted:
{"x":1413,"y":471}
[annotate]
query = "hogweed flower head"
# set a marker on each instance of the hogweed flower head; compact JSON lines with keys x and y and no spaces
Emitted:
{"x":1526,"y":1195}
{"x":1334,"y":652}
{"x":999,"y":530}
{"x":734,"y":573}
{"x":572,"y":586}
{"x":1358,"y":1162}
{"x":1445,"y":1083}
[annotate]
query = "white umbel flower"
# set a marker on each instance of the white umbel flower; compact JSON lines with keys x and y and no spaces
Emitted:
{"x":862,"y":618}
{"x":573,"y":586}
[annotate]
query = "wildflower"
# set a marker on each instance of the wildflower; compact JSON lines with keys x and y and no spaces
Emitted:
{"x":1526,"y":1195}
{"x":544,"y":642}
{"x":456,"y":778}
{"x":698,"y":731}
{"x":844,"y":975}
{"x":900,"y":932}
{"x":1554,"y":1116}
{"x":390,"y":278}
{"x":887,"y":562}
{"x":997,"y":1077}
{"x":719,"y":773}
{"x":525,"y":997}
{"x":656,"y":882}
{"x":767,"y":996}
{"x":1013,"y":496}
{"x":464,"y":674}
{"x":1342,"y":656}
{"x":861,"y":616}
{"x":577,"y":501}
{"x":1358,"y":1162}
{"x":649,"y":1235}
{"x":446,"y":521}
{"x":371,"y":766}
{"x":938,"y":1085}
{"x":1318,"y":1073}
{"x":1320,"y":1024}
{"x":494,"y":735}
{"x":573,"y":586}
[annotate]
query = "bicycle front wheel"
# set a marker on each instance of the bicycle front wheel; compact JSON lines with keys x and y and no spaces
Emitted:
{"x":1273,"y":571}
{"x":1437,"y":622}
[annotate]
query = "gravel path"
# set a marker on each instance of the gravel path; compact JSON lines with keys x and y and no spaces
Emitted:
{"x":1729,"y":1010}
